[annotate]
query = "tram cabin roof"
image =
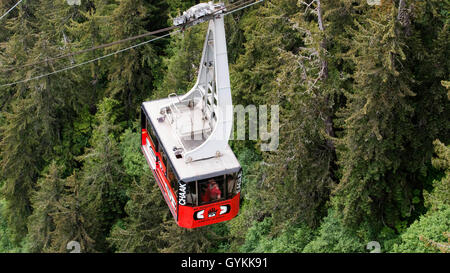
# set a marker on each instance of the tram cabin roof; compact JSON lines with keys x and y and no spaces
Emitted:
{"x":226,"y":163}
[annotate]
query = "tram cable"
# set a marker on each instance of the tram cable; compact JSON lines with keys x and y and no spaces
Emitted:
{"x":110,"y":44}
{"x":243,"y":6}
{"x":93,"y":48}
{"x":236,"y":7}
{"x":13,"y":7}
{"x":90,"y":61}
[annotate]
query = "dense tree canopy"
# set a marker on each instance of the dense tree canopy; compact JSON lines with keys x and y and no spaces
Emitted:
{"x":363,"y":155}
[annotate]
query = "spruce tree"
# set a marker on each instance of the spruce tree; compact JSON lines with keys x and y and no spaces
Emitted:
{"x":182,"y":62}
{"x":182,"y":240}
{"x":103,"y":183}
{"x":132,"y":74}
{"x":45,"y":202}
{"x":73,"y":220}
{"x":31,"y":125}
{"x":283,"y":64}
{"x":376,"y":184}
{"x":140,"y":231}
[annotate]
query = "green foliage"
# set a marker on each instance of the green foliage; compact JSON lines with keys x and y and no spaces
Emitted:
{"x":145,"y":209}
{"x":134,"y":163}
{"x":45,"y":202}
{"x":334,"y":237}
{"x":184,"y":53}
{"x":178,"y":6}
{"x":427,"y":234}
{"x":223,"y":245}
{"x":6,"y":244}
{"x":385,"y":119}
{"x":75,"y":139}
{"x":267,"y":33}
{"x":362,"y":92}
{"x":181,"y":240}
{"x":252,"y":209}
{"x":291,"y":240}
{"x":281,"y":65}
{"x":73,"y":221}
{"x":441,"y":188}
{"x":429,"y":227}
{"x":103,"y":181}
{"x":35,"y":113}
{"x":255,"y":241}
{"x":133,"y":74}
{"x":140,"y":231}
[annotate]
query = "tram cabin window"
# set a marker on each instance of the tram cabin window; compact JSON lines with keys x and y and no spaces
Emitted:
{"x":231,"y":185}
{"x":172,"y":179}
{"x":163,"y":156}
{"x":151,"y":134}
{"x":191,"y":194}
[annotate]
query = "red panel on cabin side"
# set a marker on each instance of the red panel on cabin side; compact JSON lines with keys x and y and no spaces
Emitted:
{"x":190,"y":217}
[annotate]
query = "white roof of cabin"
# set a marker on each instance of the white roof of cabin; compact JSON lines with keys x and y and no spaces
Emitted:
{"x":195,"y":170}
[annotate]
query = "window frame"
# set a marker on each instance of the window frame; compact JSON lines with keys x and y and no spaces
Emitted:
{"x":152,"y":135}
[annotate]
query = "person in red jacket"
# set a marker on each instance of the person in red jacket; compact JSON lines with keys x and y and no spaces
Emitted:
{"x":212,"y":192}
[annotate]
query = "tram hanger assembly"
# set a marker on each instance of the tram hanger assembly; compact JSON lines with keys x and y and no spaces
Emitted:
{"x":185,"y":138}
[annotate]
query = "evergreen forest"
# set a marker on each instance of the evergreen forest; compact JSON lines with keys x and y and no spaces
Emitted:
{"x":364,"y":126}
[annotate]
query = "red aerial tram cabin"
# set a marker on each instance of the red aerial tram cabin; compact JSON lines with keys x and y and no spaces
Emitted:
{"x":183,"y":184}
{"x":185,"y":139}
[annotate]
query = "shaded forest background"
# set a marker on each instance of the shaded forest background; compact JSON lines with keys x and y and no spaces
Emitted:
{"x":364,"y":126}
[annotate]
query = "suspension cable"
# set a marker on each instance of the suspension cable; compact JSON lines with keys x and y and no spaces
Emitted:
{"x":90,"y":61}
{"x":11,"y":9}
{"x":243,"y":6}
{"x":121,"y":41}
{"x":93,"y":48}
{"x":239,"y":7}
{"x":104,"y":45}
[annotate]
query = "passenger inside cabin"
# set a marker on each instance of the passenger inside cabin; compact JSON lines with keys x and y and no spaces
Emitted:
{"x":211,"y":192}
